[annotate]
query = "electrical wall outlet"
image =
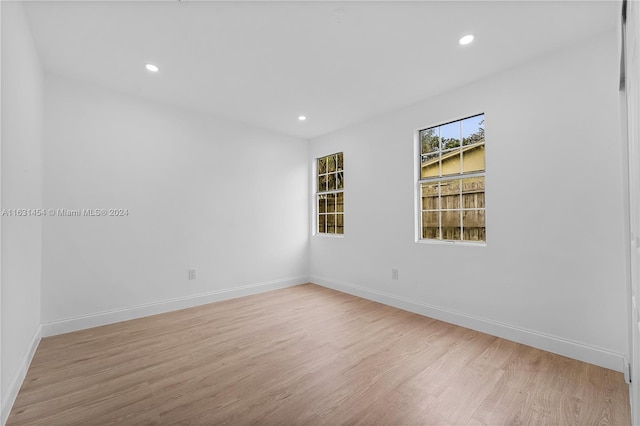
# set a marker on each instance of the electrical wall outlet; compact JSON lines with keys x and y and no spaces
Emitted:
{"x":394,"y":274}
{"x":192,"y":274}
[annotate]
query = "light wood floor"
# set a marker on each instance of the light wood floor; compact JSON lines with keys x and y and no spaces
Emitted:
{"x":307,"y":355}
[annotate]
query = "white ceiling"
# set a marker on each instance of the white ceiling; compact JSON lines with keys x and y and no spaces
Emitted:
{"x":264,"y":63}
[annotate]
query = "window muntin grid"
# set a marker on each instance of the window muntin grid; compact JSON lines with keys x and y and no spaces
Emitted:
{"x":452,"y":181}
{"x":330,"y":194}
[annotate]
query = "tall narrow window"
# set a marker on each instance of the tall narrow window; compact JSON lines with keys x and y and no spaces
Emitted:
{"x":451,"y":184}
{"x":330,"y":194}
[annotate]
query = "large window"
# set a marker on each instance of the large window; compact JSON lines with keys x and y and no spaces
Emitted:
{"x":330,"y":194}
{"x":451,"y":182}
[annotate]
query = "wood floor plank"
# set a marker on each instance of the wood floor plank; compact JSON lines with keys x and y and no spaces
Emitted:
{"x":307,"y":355}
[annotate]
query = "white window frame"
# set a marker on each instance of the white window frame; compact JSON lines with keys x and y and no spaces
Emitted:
{"x":317,"y":193}
{"x":419,"y":180}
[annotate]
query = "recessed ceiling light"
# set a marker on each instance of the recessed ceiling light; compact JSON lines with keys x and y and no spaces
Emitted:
{"x":466,"y":39}
{"x":302,"y":117}
{"x":152,"y":68}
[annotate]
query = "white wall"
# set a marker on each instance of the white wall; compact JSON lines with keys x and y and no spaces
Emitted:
{"x":551,"y":274}
{"x":631,"y":129}
{"x":21,"y":189}
{"x":227,"y":199}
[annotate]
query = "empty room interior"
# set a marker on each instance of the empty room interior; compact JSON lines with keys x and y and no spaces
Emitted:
{"x":319,"y":212}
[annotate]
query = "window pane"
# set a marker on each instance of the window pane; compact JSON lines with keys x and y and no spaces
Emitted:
{"x":322,"y":165}
{"x":340,"y":202}
{"x":473,"y":130}
{"x":450,"y":164}
{"x":473,"y":158}
{"x":322,"y":183}
{"x":450,"y":135}
{"x":430,"y":225}
{"x":473,"y":139}
{"x":451,"y":225}
{"x":340,"y":224}
{"x":331,"y":203}
{"x":430,"y":196}
{"x":430,"y":219}
{"x":322,"y":224}
{"x":473,"y":193}
{"x":331,"y":182}
{"x":430,"y":140}
{"x":430,"y":166}
{"x":474,"y":225}
{"x":451,"y":219}
{"x":450,"y":141}
{"x":431,"y":233}
{"x":430,"y":160}
{"x":450,"y":193}
{"x":331,"y":224}
{"x":451,"y":233}
{"x":322,"y":203}
{"x":430,"y":189}
{"x":339,"y":180}
{"x":331,"y":163}
{"x":339,"y":165}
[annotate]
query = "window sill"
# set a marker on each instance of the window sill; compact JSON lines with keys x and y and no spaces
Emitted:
{"x":452,"y":243}
{"x":329,"y":235}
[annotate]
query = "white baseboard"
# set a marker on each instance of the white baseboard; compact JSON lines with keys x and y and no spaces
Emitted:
{"x":117,"y":315}
{"x":18,"y":378}
{"x":557,"y":345}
